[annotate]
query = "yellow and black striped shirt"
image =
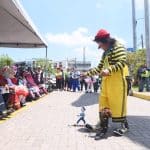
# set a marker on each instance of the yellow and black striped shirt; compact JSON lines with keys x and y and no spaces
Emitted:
{"x":113,"y":59}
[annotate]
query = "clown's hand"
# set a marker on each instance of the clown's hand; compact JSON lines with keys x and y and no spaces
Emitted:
{"x":105,"y":72}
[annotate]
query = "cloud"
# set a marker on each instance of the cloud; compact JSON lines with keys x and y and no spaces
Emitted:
{"x":79,"y":37}
{"x":121,"y":40}
{"x":91,"y":54}
{"x":75,"y":41}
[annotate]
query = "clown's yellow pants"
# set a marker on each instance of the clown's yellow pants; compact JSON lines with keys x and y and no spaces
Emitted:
{"x":114,"y":95}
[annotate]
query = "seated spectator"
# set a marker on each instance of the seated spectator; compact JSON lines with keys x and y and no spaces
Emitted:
{"x":39,"y":80}
{"x":18,"y":93}
{"x":32,"y":86}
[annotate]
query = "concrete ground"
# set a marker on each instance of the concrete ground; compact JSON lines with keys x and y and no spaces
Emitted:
{"x":46,"y":125}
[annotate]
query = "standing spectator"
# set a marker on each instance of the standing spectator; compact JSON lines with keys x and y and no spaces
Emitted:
{"x":59,"y":77}
{"x":95,"y":83}
{"x":70,"y":80}
{"x":89,"y":81}
{"x":144,"y":78}
{"x":66,"y":79}
{"x":75,"y":80}
{"x":63,"y":79}
{"x":83,"y":84}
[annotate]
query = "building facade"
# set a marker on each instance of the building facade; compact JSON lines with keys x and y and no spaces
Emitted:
{"x":78,"y":65}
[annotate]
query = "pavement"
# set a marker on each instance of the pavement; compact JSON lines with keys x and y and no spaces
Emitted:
{"x":47,"y":125}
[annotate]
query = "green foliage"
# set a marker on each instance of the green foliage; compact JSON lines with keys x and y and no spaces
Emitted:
{"x":135,"y":60}
{"x":5,"y":60}
{"x":46,"y":65}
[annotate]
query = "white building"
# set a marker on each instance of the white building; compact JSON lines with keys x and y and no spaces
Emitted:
{"x":79,"y":65}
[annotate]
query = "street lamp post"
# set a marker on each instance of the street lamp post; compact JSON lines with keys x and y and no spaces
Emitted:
{"x":142,"y":43}
{"x":141,"y":37}
{"x":134,"y":25}
{"x":147,"y":39}
{"x":75,"y":62}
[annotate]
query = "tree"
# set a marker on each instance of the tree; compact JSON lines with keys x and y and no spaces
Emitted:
{"x":135,"y":60}
{"x":5,"y":60}
{"x":47,"y":66}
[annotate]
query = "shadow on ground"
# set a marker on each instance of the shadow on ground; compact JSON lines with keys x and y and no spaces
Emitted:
{"x":86,"y":99}
{"x":139,"y":132}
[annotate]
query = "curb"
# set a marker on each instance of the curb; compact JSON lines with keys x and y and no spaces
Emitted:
{"x":141,"y":95}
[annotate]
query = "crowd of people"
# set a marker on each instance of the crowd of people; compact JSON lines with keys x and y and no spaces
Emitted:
{"x":74,"y":80}
{"x":18,"y":85}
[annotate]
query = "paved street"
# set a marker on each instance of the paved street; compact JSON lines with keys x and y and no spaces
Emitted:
{"x":46,"y":125}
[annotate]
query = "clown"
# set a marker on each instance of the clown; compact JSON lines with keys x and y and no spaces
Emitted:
{"x":113,"y":96}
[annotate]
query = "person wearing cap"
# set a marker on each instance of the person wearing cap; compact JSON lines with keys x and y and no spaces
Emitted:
{"x":113,"y":96}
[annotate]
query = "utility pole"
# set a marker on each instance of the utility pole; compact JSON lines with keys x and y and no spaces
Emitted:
{"x":75,"y":62}
{"x":46,"y":60}
{"x":134,"y":22}
{"x":84,"y":66}
{"x":142,"y":43}
{"x":147,"y":39}
{"x":67,"y":63}
{"x":84,"y":55}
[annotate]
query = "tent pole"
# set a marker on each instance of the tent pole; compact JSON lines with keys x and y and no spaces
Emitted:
{"x":46,"y":65}
{"x":46,"y":52}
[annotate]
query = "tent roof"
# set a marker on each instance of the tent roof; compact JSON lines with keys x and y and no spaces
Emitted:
{"x":16,"y":28}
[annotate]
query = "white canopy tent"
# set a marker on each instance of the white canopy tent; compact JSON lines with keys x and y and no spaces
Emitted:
{"x":16,"y":28}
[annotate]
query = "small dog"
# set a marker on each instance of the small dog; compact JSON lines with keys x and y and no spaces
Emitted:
{"x":106,"y":112}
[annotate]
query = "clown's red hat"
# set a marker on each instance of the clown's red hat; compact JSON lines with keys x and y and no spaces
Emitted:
{"x":101,"y":34}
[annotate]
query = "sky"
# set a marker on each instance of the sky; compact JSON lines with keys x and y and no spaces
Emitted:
{"x":69,"y":26}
